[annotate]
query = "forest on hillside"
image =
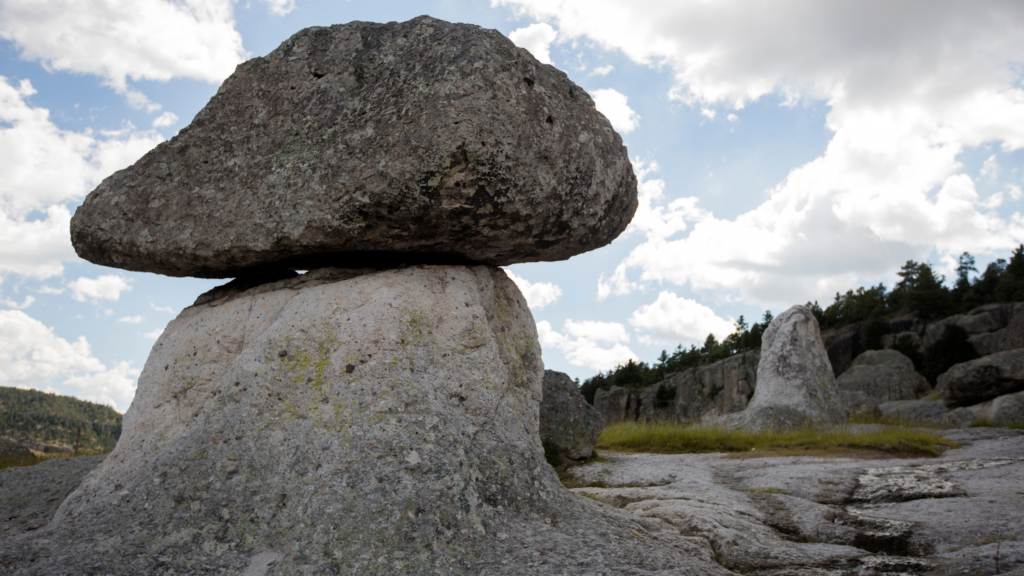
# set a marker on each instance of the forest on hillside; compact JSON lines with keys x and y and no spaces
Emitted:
{"x":920,"y":292}
{"x":58,"y":420}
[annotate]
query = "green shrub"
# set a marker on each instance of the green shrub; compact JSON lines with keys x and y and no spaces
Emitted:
{"x":905,"y":345}
{"x":952,"y":348}
{"x":872,"y":332}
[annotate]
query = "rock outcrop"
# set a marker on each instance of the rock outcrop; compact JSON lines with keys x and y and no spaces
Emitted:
{"x":569,"y":427}
{"x":718,"y":389}
{"x":795,"y":383}
{"x":370,"y":145}
{"x":983,"y":379}
{"x":1006,"y":409}
{"x":368,"y":422}
{"x":616,"y":404}
{"x":913,"y":411}
{"x":879,"y":376}
{"x":959,"y":513}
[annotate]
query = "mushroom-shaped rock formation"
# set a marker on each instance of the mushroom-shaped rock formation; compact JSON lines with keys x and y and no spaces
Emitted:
{"x":368,"y":145}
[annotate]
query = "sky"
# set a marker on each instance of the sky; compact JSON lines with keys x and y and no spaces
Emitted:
{"x":784,"y":151}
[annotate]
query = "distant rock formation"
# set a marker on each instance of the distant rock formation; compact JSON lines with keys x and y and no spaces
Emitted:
{"x":795,"y":384}
{"x":879,"y":376}
{"x":616,"y":404}
{"x":983,"y":379}
{"x":569,"y":427}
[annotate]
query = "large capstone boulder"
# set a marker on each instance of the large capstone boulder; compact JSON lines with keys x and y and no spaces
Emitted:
{"x":366,"y":145}
{"x":879,"y":376}
{"x":983,"y":379}
{"x":795,"y":384}
{"x":343,"y":423}
{"x":569,"y":427}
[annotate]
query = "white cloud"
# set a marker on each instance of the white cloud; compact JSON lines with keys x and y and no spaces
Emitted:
{"x":536,"y":38}
{"x":32,"y":356}
{"x":589,"y":344}
{"x":121,"y":39}
{"x":14,"y":304}
{"x":153,"y":334}
{"x":45,"y":167}
{"x":990,"y":169}
{"x":167,"y":309}
{"x":615,"y":105}
{"x":538,"y":294}
{"x":732,"y":118}
{"x":671,"y":319}
{"x":106,"y":287}
{"x":164,"y":120}
{"x":909,"y":86}
{"x":279,"y":7}
{"x":130,"y":319}
{"x":603,"y":70}
{"x":708,"y":113}
{"x":49,"y":290}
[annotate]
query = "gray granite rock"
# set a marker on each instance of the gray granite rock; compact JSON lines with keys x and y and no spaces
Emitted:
{"x":983,"y":379}
{"x":879,"y":376}
{"x":617,"y":404}
{"x":368,"y":144}
{"x":1005,"y":409}
{"x":838,"y":516}
{"x":569,"y":427}
{"x":30,"y":495}
{"x":912,"y":411}
{"x":724,"y":387}
{"x":343,"y":422}
{"x":794,"y":375}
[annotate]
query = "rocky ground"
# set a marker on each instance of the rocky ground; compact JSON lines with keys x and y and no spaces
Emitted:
{"x":962,"y":513}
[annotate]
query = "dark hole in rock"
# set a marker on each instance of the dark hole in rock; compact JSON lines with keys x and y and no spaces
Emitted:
{"x":349,"y":368}
{"x":529,"y":82}
{"x":549,"y":120}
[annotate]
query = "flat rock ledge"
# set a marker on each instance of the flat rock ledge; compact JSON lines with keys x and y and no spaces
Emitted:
{"x":371,"y":145}
{"x":344,"y":423}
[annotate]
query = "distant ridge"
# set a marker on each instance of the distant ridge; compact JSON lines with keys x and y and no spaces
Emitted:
{"x":50,"y":423}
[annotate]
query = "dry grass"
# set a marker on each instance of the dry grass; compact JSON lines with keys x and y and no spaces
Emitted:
{"x":676,"y":438}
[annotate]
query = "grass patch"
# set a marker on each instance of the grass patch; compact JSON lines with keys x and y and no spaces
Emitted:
{"x":13,"y":461}
{"x":869,"y":418}
{"x":988,"y":423}
{"x":677,"y":438}
{"x":760,"y":490}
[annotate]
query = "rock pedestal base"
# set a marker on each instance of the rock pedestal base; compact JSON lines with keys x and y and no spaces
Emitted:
{"x":344,"y":423}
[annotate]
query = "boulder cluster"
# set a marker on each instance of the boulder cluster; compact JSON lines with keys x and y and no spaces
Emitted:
{"x":378,"y":414}
{"x":796,"y":380}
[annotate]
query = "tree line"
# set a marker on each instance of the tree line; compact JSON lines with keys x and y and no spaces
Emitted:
{"x":920,"y":292}
{"x":54,"y":419}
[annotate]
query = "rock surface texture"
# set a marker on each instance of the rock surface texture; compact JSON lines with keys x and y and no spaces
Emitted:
{"x":617,"y":403}
{"x":718,"y":389}
{"x":795,"y":384}
{"x":957,"y":514}
{"x":365,"y":144}
{"x":380,"y":422}
{"x":879,"y":376}
{"x":983,"y":379}
{"x":569,"y":427}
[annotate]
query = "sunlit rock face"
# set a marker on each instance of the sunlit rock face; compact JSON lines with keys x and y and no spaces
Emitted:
{"x":343,"y":421}
{"x":369,"y":145}
{"x":795,"y":383}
